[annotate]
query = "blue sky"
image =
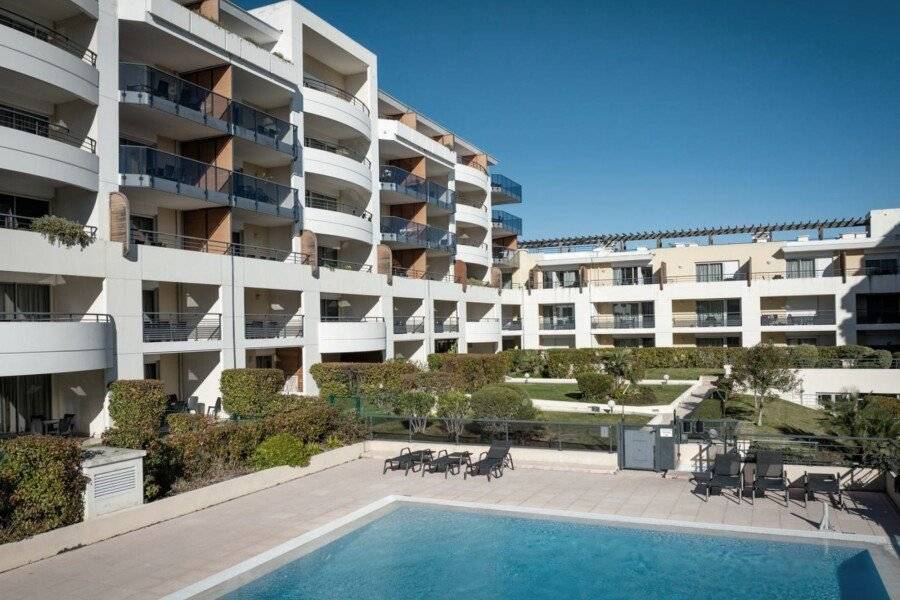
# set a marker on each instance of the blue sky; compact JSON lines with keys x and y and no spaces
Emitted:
{"x":637,"y":115}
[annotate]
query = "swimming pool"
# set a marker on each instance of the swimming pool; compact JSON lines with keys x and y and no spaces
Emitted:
{"x":417,"y":551}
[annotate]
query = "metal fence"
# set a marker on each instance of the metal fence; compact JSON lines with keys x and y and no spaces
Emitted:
{"x":182,"y":327}
{"x":317,"y":84}
{"x":41,"y":32}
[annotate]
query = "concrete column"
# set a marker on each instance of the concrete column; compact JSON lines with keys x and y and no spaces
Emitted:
{"x":662,"y":309}
{"x":462,"y":344}
{"x":751,"y":333}
{"x":583,"y":337}
{"x":311,"y":354}
{"x":530,"y":337}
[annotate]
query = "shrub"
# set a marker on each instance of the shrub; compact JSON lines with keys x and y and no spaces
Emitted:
{"x":804,"y":356}
{"x":883,"y":359}
{"x":313,"y":420}
{"x":595,"y":387}
{"x":137,"y":406}
{"x":412,"y":404}
{"x":250,"y":392}
{"x":375,"y":382}
{"x":283,"y":449}
{"x":41,"y":485}
{"x":472,"y":371}
{"x":64,"y":232}
{"x":520,"y":362}
{"x":565,"y":362}
{"x":181,"y":422}
{"x":502,"y":401}
{"x":197,"y":454}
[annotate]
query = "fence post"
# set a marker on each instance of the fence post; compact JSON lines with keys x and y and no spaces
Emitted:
{"x":506,"y":427}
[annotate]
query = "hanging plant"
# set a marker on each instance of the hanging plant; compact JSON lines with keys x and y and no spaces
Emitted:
{"x":62,"y":231}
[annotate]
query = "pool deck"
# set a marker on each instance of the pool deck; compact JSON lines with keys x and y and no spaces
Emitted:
{"x":164,"y":558}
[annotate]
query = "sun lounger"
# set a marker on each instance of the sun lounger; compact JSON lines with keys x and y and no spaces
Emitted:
{"x":408,"y":460}
{"x":492,"y":462}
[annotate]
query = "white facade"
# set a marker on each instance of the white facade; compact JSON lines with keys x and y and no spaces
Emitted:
{"x":255,"y":200}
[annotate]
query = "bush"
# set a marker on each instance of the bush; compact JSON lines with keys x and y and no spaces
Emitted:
{"x":472,"y":371}
{"x":41,"y":485}
{"x":199,"y":453}
{"x":375,"y":382}
{"x":566,"y":362}
{"x":883,"y":359}
{"x":182,"y":422}
{"x":502,"y":401}
{"x":64,"y":232}
{"x":412,"y":404}
{"x":250,"y":392}
{"x":520,"y":362}
{"x":453,"y":405}
{"x":595,"y":387}
{"x":283,"y":449}
{"x":137,"y":406}
{"x":804,"y":356}
{"x":313,"y":421}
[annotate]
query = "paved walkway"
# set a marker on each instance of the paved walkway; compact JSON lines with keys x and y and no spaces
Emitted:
{"x":166,"y":557}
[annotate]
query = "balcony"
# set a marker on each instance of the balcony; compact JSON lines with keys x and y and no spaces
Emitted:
{"x":707,"y":320}
{"x":409,"y":325}
{"x":473,"y":252}
{"x":403,"y":233}
{"x":483,"y":330}
{"x":320,"y":86}
{"x":398,"y":186}
{"x":343,"y":265}
{"x":426,"y":275}
{"x":623,"y":322}
{"x":144,"y":237}
{"x":708,"y":278}
{"x":505,"y":258}
{"x":144,"y":167}
{"x":324,"y":146}
{"x":626,"y":281}
{"x":351,"y":334}
{"x":182,"y":327}
{"x":557,"y":323}
{"x":30,"y":123}
{"x":323,"y":202}
{"x":512,"y":324}
{"x":446,"y":325}
{"x":43,"y":342}
{"x":270,"y":327}
{"x":12,"y":221}
{"x":504,"y":190}
{"x":141,"y":84}
{"x":796,"y":319}
{"x":36,"y":30}
{"x":505,"y":224}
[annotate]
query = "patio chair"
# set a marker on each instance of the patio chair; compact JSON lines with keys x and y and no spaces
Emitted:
{"x":65,"y":426}
{"x":447,"y":463}
{"x":491,"y":462}
{"x":825,"y":483}
{"x":213,"y":411}
{"x":770,"y":475}
{"x":407,"y":460}
{"x":724,"y":474}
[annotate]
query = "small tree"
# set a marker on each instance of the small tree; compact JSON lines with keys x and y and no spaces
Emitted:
{"x":724,"y":388}
{"x":416,"y":406}
{"x":454,"y":408}
{"x":762,"y":370}
{"x":625,"y":369}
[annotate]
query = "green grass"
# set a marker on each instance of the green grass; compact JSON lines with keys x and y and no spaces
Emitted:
{"x":779,"y":416}
{"x":680,"y":373}
{"x":568,"y":392}
{"x":592,"y":418}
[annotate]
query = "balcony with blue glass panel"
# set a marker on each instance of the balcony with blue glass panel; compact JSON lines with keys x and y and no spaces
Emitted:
{"x":505,"y":224}
{"x":504,"y":190}
{"x":399,"y":186}
{"x":402,"y":234}
{"x":179,"y":109}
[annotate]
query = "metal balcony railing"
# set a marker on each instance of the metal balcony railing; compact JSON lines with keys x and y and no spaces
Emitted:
{"x":507,"y":222}
{"x":461,"y":160}
{"x":214,"y":183}
{"x":502,"y":184}
{"x":11,"y":221}
{"x":41,"y":126}
{"x":406,"y":325}
{"x":54,"y":317}
{"x":41,"y":32}
{"x":145,"y":237}
{"x":316,"y":84}
{"x":267,"y":327}
{"x":505,"y":257}
{"x":350,"y":319}
{"x":188,"y":99}
{"x":403,"y":231}
{"x":557,"y":323}
{"x":318,"y":144}
{"x":428,"y":275}
{"x":788,"y":319}
{"x":706,"y":278}
{"x":511,"y":325}
{"x":323,"y":202}
{"x":470,"y":243}
{"x":474,"y":321}
{"x":446,"y":325}
{"x":623,"y":321}
{"x":344,"y":265}
{"x":398,"y":180}
{"x":707,"y":320}
{"x":182,"y":327}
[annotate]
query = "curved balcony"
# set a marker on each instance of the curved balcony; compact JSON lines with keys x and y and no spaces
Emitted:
{"x":327,"y":215}
{"x":33,"y":343}
{"x":31,"y":145}
{"x":505,"y":258}
{"x":472,"y":252}
{"x":351,"y":334}
{"x":335,"y":104}
{"x":399,"y":186}
{"x":473,"y":215}
{"x":505,"y":224}
{"x":337,"y":162}
{"x":472,"y":175}
{"x":201,"y":112}
{"x":402,"y":233}
{"x":143,"y":167}
{"x":504,"y":190}
{"x":47,"y":57}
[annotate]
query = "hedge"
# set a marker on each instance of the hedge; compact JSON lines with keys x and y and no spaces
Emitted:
{"x":41,"y":485}
{"x":502,"y":401}
{"x":372,"y":380}
{"x":137,"y":405}
{"x":595,"y":387}
{"x":250,"y":392}
{"x":283,"y":449}
{"x":520,"y":362}
{"x":472,"y":371}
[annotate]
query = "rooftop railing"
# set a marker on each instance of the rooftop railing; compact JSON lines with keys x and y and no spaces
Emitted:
{"x":266,"y":327}
{"x":318,"y":144}
{"x":707,"y":320}
{"x":403,"y":231}
{"x":504,"y":220}
{"x":504,"y":185}
{"x":44,"y":33}
{"x":557,"y":323}
{"x":446,"y":324}
{"x":323,"y":202}
{"x":623,"y":321}
{"x":182,"y":327}
{"x":54,"y":317}
{"x":13,"y":221}
{"x":404,"y":182}
{"x":784,"y":318}
{"x":409,"y":325}
{"x":36,"y":125}
{"x":319,"y":85}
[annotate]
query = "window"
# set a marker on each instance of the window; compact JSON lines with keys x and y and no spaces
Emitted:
{"x":798,"y":268}
{"x":149,"y":301}
{"x":17,"y":206}
{"x":878,"y":308}
{"x":645,"y":342}
{"x":329,"y":308}
{"x":143,"y":229}
{"x":553,"y":279}
{"x":328,"y":257}
{"x":718,"y":342}
{"x":151,"y":370}
{"x":24,"y":403}
{"x":19,"y":298}
{"x":881,"y":266}
{"x":709,"y":271}
{"x":632,"y":275}
{"x":264,"y":362}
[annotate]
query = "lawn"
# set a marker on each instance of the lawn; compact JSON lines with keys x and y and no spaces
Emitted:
{"x":568,"y":392}
{"x":592,"y":418}
{"x":779,"y":416}
{"x":679,"y":373}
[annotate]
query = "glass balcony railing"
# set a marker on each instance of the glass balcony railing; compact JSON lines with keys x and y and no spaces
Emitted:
{"x":506,"y":222}
{"x":323,"y":202}
{"x":402,"y":231}
{"x":316,"y":84}
{"x":317,"y":144}
{"x":501,"y":184}
{"x":398,"y":180}
{"x":186,"y":99}
{"x":191,"y":177}
{"x":36,"y":30}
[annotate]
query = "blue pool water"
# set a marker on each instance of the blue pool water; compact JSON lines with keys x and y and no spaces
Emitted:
{"x":421,"y":552}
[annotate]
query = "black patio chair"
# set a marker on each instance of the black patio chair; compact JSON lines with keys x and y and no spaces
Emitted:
{"x":770,"y":475}
{"x":724,"y":474}
{"x":407,"y":460}
{"x":826,"y":483}
{"x":492,"y":462}
{"x":213,"y":411}
{"x":65,"y":426}
{"x":447,"y":463}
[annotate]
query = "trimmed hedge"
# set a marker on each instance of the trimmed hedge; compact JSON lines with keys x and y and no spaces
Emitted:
{"x":375,"y":381}
{"x":137,"y":405}
{"x":472,"y":371}
{"x":283,"y":449}
{"x":567,"y":362}
{"x":595,"y":387}
{"x":521,"y":362}
{"x":250,"y":392}
{"x":502,"y":401}
{"x":41,"y":485}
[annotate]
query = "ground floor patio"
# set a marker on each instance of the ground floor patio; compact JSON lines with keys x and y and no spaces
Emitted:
{"x":166,"y":557}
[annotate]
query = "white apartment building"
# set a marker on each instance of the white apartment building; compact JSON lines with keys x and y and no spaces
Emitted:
{"x":256,"y":200}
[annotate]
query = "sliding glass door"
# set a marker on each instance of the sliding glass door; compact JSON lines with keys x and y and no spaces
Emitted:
{"x":24,"y":402}
{"x":18,"y":300}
